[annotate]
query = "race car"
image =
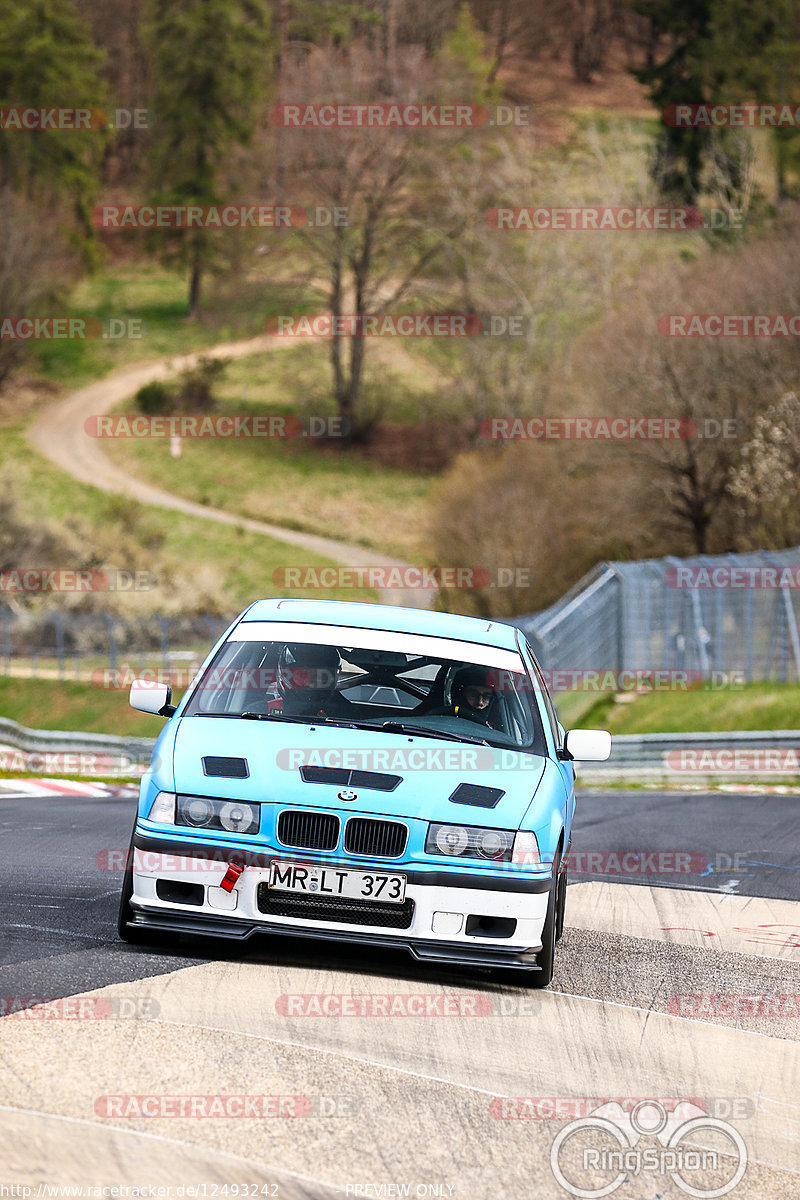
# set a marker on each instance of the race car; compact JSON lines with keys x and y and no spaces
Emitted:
{"x":365,"y":774}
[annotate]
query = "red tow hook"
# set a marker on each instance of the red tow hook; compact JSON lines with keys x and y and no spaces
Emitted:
{"x":231,"y":876}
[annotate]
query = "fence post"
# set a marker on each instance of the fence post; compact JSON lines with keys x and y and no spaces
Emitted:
{"x":164,"y":623}
{"x":112,"y":642}
{"x":58,"y":621}
{"x":748,"y":635}
{"x":6,"y":615}
{"x":791,"y":626}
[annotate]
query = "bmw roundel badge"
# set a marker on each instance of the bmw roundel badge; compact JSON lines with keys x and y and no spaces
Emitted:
{"x":347,"y":794}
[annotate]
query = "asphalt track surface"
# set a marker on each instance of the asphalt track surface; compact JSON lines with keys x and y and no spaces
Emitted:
{"x":458,"y":1102}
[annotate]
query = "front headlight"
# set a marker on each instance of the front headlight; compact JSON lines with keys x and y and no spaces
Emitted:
{"x":466,"y":841}
{"x":230,"y":816}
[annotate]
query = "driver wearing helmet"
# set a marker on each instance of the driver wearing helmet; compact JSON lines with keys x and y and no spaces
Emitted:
{"x":474,"y":695}
{"x":307,"y":682}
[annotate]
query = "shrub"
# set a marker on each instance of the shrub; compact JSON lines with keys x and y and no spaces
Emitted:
{"x":155,"y":398}
{"x":196,"y":385}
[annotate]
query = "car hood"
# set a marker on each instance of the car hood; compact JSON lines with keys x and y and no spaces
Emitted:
{"x":430,"y":770}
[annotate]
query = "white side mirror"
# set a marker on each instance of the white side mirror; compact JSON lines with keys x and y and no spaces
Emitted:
{"x":588,"y":745}
{"x":150,"y":697}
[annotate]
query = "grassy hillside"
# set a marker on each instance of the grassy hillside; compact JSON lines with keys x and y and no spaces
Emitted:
{"x":755,"y":706}
{"x":40,"y":704}
{"x":333,"y":490}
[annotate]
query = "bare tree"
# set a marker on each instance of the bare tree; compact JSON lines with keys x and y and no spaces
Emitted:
{"x":583,"y":29}
{"x":717,"y":386}
{"x":34,"y":269}
{"x":388,"y":218}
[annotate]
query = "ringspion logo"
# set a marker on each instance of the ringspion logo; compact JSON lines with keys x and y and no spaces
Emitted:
{"x":609,"y":1139}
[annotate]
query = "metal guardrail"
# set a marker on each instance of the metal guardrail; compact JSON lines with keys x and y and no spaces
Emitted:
{"x":58,"y":752}
{"x":686,"y":758}
{"x":673,"y":758}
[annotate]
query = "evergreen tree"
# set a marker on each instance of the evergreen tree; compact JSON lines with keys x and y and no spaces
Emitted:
{"x":757,"y":47}
{"x":682,"y":77}
{"x":48,"y":60}
{"x":211,"y":63}
{"x":720,"y":51}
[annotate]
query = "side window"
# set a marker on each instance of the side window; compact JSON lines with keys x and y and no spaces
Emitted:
{"x":548,"y":703}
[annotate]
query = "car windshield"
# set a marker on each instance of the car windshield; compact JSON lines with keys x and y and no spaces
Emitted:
{"x":464,"y":691}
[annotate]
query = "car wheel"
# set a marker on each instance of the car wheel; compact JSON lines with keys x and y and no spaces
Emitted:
{"x":561,"y":903}
{"x":127,"y":932}
{"x":546,"y":956}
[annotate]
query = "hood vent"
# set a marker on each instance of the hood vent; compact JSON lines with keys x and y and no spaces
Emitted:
{"x":341,"y":777}
{"x":477,"y":795}
{"x":226,"y":768}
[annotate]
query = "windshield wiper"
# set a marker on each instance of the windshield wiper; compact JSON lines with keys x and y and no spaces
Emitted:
{"x":377,"y":726}
{"x":422,"y":731}
{"x":257,"y":716}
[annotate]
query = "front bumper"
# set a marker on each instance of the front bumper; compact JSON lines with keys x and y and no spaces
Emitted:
{"x":444,"y":905}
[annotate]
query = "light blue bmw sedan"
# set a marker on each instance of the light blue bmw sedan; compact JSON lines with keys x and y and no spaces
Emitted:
{"x":366,"y":774}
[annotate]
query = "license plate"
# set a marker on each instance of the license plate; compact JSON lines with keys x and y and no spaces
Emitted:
{"x":310,"y":880}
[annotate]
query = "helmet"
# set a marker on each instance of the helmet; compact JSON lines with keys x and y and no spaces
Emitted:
{"x":469,"y":689}
{"x":308,"y":669}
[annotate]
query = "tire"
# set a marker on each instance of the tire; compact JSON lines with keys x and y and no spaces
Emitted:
{"x":561,"y":903}
{"x":545,"y":958}
{"x":128,"y":933}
